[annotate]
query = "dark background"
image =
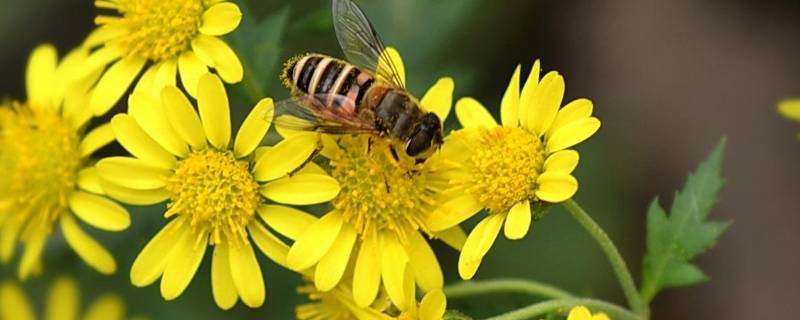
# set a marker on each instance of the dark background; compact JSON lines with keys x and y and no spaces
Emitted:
{"x":668,"y":79}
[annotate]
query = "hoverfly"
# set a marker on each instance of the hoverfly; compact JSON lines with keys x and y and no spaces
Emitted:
{"x":356,"y":96}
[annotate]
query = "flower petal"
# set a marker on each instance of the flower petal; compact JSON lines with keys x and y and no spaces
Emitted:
{"x":396,"y":68}
{"x":222,"y":287}
{"x":87,"y":248}
{"x":439,"y":98}
{"x":99,"y":59}
{"x":531,"y":83}
{"x":209,"y":48}
{"x":97,"y":138}
{"x":114,"y":82}
{"x":221,"y":19}
{"x":509,"y":106}
{"x":165,"y":76}
{"x":287,"y":221}
{"x":433,"y":305}
{"x":544,"y":103}
{"x":131,"y":136}
{"x":32,"y":255}
{"x":134,"y":196}
{"x":574,"y":110}
{"x":367,"y":272}
{"x":573,"y":133}
{"x":790,"y":108}
{"x":215,"y":113}
{"x":246,"y":274}
{"x":40,"y":75}
{"x":182,"y":264}
{"x":478,"y":243}
{"x":253,"y":129}
{"x":183,"y":118}
{"x":518,"y":221}
{"x":394,"y":261}
{"x":132,"y":173}
{"x":14,"y":304}
{"x":107,"y":307}
{"x":190,"y":68}
{"x":285,"y":157}
{"x":453,"y":212}
{"x":63,"y":300}
{"x":471,"y":114}
{"x":556,"y":187}
{"x":150,"y":116}
{"x":151,"y":261}
{"x":99,"y":212}
{"x":453,"y":237}
{"x":314,"y":242}
{"x":302,"y":189}
{"x":579,"y":313}
{"x":564,"y":161}
{"x":332,"y":265}
{"x":88,"y":180}
{"x":268,"y":243}
{"x":145,"y":84}
{"x":423,"y":262}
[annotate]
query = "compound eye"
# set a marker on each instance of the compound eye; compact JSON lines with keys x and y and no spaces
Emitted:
{"x":419,"y":143}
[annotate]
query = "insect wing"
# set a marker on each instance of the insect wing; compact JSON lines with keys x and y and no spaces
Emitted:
{"x":326,"y":113}
{"x":363,"y":46}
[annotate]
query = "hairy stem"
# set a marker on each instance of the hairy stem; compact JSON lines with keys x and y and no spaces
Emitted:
{"x":484,"y":287}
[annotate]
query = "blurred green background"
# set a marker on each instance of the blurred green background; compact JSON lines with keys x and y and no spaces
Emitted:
{"x":668,"y":78}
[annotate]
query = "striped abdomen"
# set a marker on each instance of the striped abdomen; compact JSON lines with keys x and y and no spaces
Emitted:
{"x":316,"y":74}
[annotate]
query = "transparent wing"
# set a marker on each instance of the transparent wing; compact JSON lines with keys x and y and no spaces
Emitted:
{"x":334,"y":114}
{"x":363,"y":46}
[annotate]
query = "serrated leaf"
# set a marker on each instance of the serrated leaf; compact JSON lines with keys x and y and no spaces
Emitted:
{"x":674,"y":240}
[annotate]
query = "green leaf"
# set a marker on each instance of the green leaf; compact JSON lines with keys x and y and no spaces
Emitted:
{"x":258,"y":45}
{"x":674,"y":240}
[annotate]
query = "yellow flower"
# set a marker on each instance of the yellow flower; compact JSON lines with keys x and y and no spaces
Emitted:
{"x":166,"y":38}
{"x":790,"y":109}
{"x":582,"y":313}
{"x":44,"y":162}
{"x":63,"y":302}
{"x":506,"y":169}
{"x":378,"y":218}
{"x":214,"y":189}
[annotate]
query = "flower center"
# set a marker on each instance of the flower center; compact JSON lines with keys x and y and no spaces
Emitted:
{"x":39,"y":163}
{"x":159,"y":29}
{"x":216,"y":192}
{"x":377,"y":192}
{"x":504,"y":167}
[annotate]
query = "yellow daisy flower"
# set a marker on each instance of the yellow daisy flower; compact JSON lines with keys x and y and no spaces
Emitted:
{"x":214,"y":189}
{"x":378,"y":218}
{"x":509,"y":168}
{"x":167,"y":38}
{"x":582,"y":313}
{"x":45,"y":164}
{"x":63,"y":302}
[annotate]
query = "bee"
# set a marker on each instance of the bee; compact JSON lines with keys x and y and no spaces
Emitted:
{"x":356,"y":96}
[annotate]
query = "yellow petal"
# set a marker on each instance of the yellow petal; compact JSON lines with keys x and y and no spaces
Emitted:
{"x":14,"y":305}
{"x":131,"y":136}
{"x":453,"y":212}
{"x":114,"y":82}
{"x":433,"y":306}
{"x":394,"y":261}
{"x":544,"y":103}
{"x":268,"y":243}
{"x":509,"y":106}
{"x":107,"y":307}
{"x":222,"y":287}
{"x":332,"y":265}
{"x":150,"y":116}
{"x":220,"y":19}
{"x":8,"y":240}
{"x":790,"y":109}
{"x":190,"y":68}
{"x":573,"y":133}
{"x":103,"y":34}
{"x":314,"y":242}
{"x":210,"y":48}
{"x":575,"y":110}
{"x":132,"y":173}
{"x":151,"y":261}
{"x":397,"y":63}
{"x":600,"y":316}
{"x":556,"y":187}
{"x":89,"y":180}
{"x":146,"y":83}
{"x":453,"y":237}
{"x":183,"y":118}
{"x":439,"y":98}
{"x":253,"y":129}
{"x":215,"y":113}
{"x":564,"y":161}
{"x":367,"y":272}
{"x":285,"y":157}
{"x":32,"y":255}
{"x":424,"y":264}
{"x":246,"y":274}
{"x":40,"y":75}
{"x":165,"y":76}
{"x":287,"y":221}
{"x":182,"y":264}
{"x":478,"y":243}
{"x":134,"y":196}
{"x":63,"y":300}
{"x":87,"y":248}
{"x":302,"y":189}
{"x":99,"y":211}
{"x":100,"y":58}
{"x":471,"y":114}
{"x":518,"y":221}
{"x":579,"y":313}
{"x":96,"y":139}
{"x":527,"y":93}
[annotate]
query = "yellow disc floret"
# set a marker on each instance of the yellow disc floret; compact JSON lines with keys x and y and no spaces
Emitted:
{"x":216,"y":192}
{"x":504,"y":167}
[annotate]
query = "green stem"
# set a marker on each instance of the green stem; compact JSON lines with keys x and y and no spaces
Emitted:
{"x":611,"y":252}
{"x":484,"y":287}
{"x":564,"y":305}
